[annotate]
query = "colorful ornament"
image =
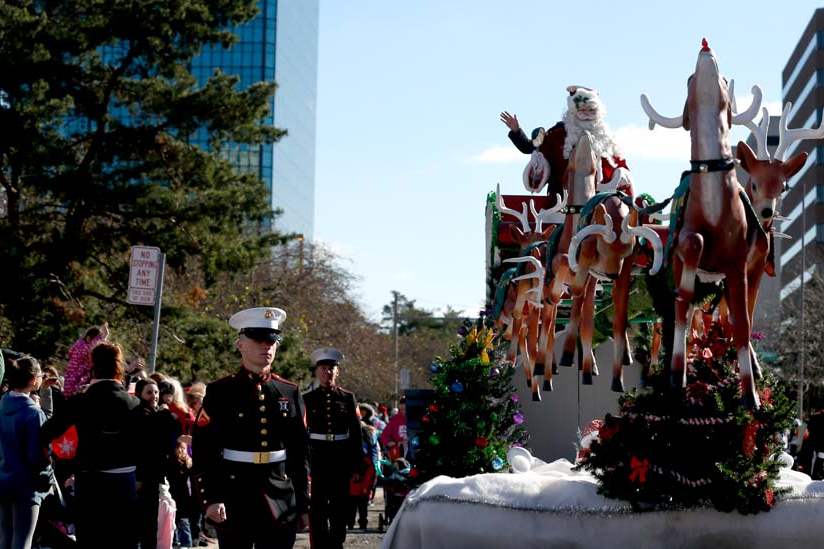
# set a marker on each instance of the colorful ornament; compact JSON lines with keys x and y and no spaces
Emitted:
{"x":518,"y":418}
{"x":494,"y":372}
{"x":456,"y":387}
{"x":481,"y":442}
{"x":414,"y":442}
{"x":434,"y":440}
{"x":434,"y":367}
{"x":433,"y":408}
{"x":426,"y":419}
{"x":497,"y":464}
{"x":481,"y":424}
{"x":413,"y":473}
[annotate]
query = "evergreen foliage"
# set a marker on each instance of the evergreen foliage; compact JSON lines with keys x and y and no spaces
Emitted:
{"x":98,"y":108}
{"x":694,"y":447}
{"x":475,"y":416}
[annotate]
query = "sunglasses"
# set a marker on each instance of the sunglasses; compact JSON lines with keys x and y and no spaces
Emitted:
{"x":262,"y":335}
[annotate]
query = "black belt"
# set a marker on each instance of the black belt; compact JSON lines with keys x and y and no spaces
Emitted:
{"x":717,"y":165}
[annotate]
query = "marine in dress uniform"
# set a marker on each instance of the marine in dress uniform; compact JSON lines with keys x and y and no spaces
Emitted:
{"x":250,"y":459}
{"x":335,"y":449}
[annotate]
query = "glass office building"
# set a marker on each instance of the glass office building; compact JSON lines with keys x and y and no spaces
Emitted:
{"x":281,"y":44}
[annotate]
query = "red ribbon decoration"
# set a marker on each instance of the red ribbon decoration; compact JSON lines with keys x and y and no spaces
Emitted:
{"x":639,"y":470}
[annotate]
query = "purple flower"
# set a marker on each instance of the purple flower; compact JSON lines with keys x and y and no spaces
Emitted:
{"x":757,"y":336}
{"x":515,"y":398}
{"x":518,"y":418}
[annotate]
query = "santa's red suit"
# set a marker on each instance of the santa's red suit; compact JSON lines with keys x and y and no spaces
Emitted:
{"x":552,"y":148}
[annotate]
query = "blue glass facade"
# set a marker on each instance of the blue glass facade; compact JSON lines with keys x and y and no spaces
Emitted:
{"x":281,"y":44}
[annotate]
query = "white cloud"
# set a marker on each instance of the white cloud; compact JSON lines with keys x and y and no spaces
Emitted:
{"x":499,"y":155}
{"x":658,"y":144}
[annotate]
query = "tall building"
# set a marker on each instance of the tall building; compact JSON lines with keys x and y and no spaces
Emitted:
{"x":803,"y":203}
{"x":280,"y":44}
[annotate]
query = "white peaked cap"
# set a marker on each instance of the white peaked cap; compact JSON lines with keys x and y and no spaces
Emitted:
{"x":326,"y":353}
{"x":258,"y":317}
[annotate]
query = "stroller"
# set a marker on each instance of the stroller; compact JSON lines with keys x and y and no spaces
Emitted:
{"x":396,"y":486}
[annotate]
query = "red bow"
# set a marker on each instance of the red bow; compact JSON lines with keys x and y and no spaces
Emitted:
{"x":639,"y":470}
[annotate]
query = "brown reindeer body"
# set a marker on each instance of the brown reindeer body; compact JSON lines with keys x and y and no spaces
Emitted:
{"x":607,"y":247}
{"x":581,"y":179}
{"x":523,"y":300}
{"x":712,"y":241}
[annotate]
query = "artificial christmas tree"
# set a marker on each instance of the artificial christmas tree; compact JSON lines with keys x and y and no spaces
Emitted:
{"x":475,"y":416}
{"x":694,"y":446}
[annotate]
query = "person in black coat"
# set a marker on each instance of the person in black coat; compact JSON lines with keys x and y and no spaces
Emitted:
{"x":157,"y":435}
{"x":335,"y":449}
{"x":106,"y":418}
{"x":250,"y":462}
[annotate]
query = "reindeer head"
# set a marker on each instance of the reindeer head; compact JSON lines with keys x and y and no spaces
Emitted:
{"x":768,"y":177}
{"x":525,"y":234}
{"x":707,"y":93}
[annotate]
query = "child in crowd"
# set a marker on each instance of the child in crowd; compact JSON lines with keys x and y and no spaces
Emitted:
{"x":181,"y":489}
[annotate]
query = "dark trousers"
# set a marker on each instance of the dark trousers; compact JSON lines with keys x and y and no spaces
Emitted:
{"x":358,"y":505}
{"x":329,"y":510}
{"x":103,"y":500}
{"x":148,"y":502}
{"x":249,"y":523}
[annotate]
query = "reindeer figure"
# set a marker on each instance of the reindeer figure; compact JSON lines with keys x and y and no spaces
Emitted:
{"x":714,"y":236}
{"x":608,"y":247}
{"x":582,"y":182}
{"x":767,"y":179}
{"x":532,"y":243}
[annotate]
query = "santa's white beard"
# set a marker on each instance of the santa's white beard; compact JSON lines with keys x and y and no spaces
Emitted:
{"x":602,"y":142}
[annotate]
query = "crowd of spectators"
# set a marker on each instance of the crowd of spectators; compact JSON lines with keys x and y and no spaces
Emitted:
{"x":114,"y":489}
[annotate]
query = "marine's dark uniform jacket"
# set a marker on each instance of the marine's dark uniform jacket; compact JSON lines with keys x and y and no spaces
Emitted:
{"x":332,"y":413}
{"x":252,"y":414}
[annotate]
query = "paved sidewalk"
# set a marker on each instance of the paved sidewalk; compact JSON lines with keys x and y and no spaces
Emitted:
{"x":362,"y":539}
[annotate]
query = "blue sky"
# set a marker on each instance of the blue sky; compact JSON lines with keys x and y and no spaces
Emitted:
{"x":408,"y":137}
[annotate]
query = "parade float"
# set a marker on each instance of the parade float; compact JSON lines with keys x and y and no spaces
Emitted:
{"x":691,"y":454}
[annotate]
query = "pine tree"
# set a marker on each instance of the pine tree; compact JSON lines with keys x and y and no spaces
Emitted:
{"x":475,"y":416}
{"x":98,"y":107}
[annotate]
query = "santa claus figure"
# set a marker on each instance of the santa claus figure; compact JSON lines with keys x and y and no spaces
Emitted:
{"x":551,"y":149}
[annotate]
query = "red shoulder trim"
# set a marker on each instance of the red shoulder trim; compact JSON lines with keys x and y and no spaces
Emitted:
{"x":283,"y":380}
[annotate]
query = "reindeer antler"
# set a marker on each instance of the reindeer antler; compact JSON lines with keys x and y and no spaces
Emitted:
{"x":545,"y":216}
{"x":538,"y":274}
{"x":520,"y":216}
{"x":628,"y":232}
{"x":605,"y":231}
{"x":787,"y":136}
{"x":748,"y":115}
{"x":759,"y":131}
{"x":655,"y":118}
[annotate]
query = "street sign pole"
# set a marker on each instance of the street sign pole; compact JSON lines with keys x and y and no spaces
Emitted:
{"x":157,"y":302}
